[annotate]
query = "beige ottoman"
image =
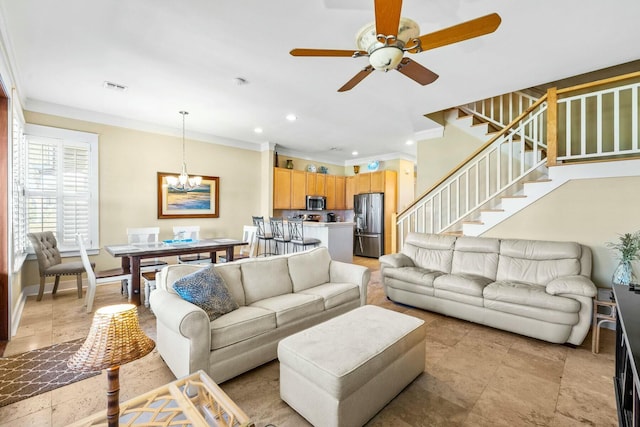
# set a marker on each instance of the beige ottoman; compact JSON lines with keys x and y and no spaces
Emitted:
{"x":343,"y":371}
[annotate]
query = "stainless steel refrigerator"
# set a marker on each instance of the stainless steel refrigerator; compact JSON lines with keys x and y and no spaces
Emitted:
{"x":368,"y":237}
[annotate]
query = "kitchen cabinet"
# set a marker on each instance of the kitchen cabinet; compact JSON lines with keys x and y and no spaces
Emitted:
{"x":316,"y":184}
{"x":349,"y":191}
{"x":330,"y":191}
{"x":340,"y":192}
{"x":281,"y":188}
{"x":289,"y":189}
{"x":363,"y":183}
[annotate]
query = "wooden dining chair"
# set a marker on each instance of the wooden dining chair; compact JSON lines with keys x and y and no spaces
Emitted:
{"x":95,"y":278}
{"x":149,"y":267}
{"x":50,"y":262}
{"x":182,"y":232}
{"x":248,"y":250}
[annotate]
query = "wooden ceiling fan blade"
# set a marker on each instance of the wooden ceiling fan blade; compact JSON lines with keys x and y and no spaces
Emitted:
{"x":467,"y":30}
{"x":388,"y":16}
{"x":417,"y":72}
{"x":356,"y":79}
{"x":326,"y":52}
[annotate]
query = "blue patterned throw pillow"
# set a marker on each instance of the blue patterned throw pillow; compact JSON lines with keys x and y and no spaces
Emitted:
{"x":206,"y":289}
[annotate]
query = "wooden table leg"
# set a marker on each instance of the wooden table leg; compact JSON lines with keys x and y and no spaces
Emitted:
{"x":230,"y":254}
{"x":135,"y":281}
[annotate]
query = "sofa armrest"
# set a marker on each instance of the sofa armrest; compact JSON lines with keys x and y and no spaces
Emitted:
{"x":184,"y":332}
{"x":396,"y":260}
{"x":342,"y":272}
{"x":575,"y":285}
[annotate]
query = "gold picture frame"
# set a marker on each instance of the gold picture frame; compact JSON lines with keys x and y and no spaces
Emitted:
{"x":201,"y":202}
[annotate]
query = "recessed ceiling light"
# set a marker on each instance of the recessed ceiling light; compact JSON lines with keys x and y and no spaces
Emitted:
{"x":409,"y":142}
{"x":291,"y":117}
{"x":258,"y":130}
{"x":354,"y":153}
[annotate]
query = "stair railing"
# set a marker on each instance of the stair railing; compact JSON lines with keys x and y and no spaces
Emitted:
{"x":491,"y":170}
{"x":502,"y":109}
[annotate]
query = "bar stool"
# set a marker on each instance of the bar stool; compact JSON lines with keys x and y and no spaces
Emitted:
{"x":263,"y":236}
{"x":296,"y":234}
{"x":277,"y":229}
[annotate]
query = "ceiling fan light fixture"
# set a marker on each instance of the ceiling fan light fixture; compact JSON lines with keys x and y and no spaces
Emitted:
{"x":367,"y":37}
{"x":386,"y":58}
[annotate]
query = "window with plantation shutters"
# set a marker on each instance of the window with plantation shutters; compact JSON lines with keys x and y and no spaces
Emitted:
{"x":61,"y":184}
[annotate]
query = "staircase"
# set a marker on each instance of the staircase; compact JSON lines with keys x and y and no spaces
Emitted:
{"x":533,"y":146}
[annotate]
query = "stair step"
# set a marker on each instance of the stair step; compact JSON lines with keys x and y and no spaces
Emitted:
{"x":462,"y":114}
{"x":535,"y":181}
{"x":453,"y":233}
{"x":514,"y":197}
{"x":473,"y":222}
{"x":492,"y":210}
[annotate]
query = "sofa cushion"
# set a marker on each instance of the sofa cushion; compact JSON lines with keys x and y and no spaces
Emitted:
{"x":430,"y":251}
{"x":232,"y":276}
{"x":173,"y":272}
{"x":206,"y":289}
{"x":416,"y":275}
{"x":402,"y":285}
{"x":335,"y":294}
{"x":544,"y":314}
{"x":240,"y":325}
{"x":467,"y":284}
{"x":529,"y":295}
{"x":538,"y":262}
{"x":265,"y":278}
{"x":309,"y":269}
{"x":291,"y":307}
{"x":476,"y":256}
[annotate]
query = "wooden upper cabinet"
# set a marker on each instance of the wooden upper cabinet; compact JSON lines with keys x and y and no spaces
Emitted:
{"x":377,"y":182}
{"x":349,"y":191}
{"x":340,"y":192}
{"x":321,"y":184}
{"x":311,"y":183}
{"x":298,"y":190}
{"x":330,"y":191}
{"x":363,"y":183}
{"x":281,"y":188}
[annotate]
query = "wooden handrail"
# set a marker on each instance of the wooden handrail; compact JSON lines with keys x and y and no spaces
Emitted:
{"x":475,"y":153}
{"x":599,"y":83}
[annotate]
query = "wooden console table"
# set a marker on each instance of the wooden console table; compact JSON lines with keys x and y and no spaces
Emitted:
{"x":194,"y":401}
{"x":625,"y":381}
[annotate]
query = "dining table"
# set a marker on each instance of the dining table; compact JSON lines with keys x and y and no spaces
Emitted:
{"x":133,"y":253}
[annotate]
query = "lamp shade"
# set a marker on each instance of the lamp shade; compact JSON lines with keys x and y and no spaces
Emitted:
{"x":115,"y":338}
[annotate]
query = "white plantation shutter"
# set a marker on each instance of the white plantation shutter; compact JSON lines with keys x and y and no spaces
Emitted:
{"x":62,"y":184}
{"x":18,"y":199}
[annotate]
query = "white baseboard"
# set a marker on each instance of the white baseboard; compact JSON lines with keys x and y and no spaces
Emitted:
{"x":17,"y":313}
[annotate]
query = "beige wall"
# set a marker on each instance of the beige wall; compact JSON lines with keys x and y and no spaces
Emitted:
{"x":129,"y":162}
{"x":301,"y":164}
{"x":437,"y":157}
{"x":589,"y":211}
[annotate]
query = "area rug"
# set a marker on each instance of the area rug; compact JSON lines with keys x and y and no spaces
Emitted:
{"x":38,"y":371}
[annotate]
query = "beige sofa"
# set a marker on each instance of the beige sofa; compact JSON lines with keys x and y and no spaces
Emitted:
{"x":539,"y":289}
{"x":277,"y":296}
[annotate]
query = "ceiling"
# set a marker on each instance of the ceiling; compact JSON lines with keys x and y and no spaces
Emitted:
{"x":187,"y":55}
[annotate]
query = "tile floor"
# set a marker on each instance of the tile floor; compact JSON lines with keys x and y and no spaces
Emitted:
{"x":474,"y":376}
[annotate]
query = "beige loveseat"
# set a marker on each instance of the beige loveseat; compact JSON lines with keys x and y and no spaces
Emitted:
{"x":277,"y":296}
{"x":540,"y":289}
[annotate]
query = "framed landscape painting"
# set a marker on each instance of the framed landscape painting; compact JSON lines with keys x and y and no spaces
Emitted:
{"x":199,"y":202}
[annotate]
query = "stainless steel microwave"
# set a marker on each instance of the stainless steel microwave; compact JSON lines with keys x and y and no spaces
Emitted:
{"x":316,"y":203}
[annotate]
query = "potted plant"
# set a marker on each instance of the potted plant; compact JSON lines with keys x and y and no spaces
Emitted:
{"x":628,"y":246}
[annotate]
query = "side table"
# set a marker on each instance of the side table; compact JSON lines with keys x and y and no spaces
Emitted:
{"x":599,"y":319}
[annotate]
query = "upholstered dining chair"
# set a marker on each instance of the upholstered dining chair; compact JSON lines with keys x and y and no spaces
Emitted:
{"x":95,"y":278}
{"x":279,"y":236}
{"x":50,"y":262}
{"x":263,"y":236}
{"x":296,"y":234}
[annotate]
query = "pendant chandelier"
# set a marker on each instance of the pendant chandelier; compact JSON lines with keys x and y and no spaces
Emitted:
{"x":183,"y":182}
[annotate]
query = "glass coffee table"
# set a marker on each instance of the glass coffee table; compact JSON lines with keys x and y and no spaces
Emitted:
{"x":194,"y":400}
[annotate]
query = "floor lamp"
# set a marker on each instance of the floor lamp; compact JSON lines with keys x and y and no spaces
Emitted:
{"x":115,"y":338}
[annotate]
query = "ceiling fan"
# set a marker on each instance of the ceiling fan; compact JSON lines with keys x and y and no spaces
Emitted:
{"x":387,"y":39}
